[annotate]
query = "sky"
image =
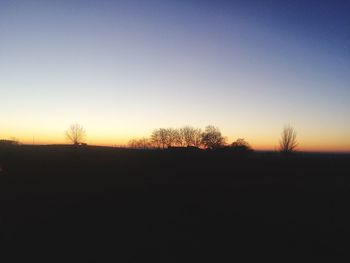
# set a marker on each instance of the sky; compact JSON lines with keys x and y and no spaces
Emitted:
{"x":124,"y":68}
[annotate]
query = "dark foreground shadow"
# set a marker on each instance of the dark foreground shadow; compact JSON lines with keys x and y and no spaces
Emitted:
{"x":99,"y":204}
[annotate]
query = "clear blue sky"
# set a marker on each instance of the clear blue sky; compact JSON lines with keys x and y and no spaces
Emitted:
{"x":122,"y":68}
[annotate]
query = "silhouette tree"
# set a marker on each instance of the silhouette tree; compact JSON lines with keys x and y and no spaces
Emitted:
{"x":191,"y":136}
{"x":178,"y":138}
{"x":197,"y":137}
{"x":133,"y":143}
{"x":212,"y":138}
{"x":241,"y":145}
{"x":142,"y":143}
{"x":169,"y":137}
{"x":76,"y":134}
{"x":173,"y":137}
{"x":159,"y":138}
{"x":288,"y":141}
{"x":12,"y":142}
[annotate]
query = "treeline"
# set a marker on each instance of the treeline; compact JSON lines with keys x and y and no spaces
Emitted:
{"x":11,"y":142}
{"x":188,"y":136}
{"x":210,"y":138}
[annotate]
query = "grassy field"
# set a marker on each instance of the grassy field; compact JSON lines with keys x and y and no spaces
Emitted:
{"x":96,"y":203}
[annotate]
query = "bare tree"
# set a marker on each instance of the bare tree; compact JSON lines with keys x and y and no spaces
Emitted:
{"x":169,"y":137}
{"x":160,"y":138}
{"x":197,"y":137}
{"x":173,"y":137}
{"x":288,"y":141}
{"x":178,"y":138}
{"x":142,"y":143}
{"x":212,"y":138}
{"x":191,"y":136}
{"x":155,"y":139}
{"x":132,"y":143}
{"x":76,"y":134}
{"x":187,"y":135}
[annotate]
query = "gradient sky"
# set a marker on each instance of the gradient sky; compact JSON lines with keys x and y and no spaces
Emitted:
{"x":123,"y":68}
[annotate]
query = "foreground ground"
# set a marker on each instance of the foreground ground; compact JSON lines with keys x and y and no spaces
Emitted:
{"x":95,"y":204}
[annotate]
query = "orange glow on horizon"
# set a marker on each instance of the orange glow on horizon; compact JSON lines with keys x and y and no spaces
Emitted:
{"x":259,"y":144}
{"x":104,"y":133}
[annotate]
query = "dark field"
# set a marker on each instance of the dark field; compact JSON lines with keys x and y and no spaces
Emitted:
{"x":99,"y":204}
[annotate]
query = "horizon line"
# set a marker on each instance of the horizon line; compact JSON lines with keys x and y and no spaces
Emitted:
{"x":125,"y":146}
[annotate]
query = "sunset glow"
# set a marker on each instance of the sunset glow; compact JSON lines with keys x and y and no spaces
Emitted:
{"x":124,"y":68}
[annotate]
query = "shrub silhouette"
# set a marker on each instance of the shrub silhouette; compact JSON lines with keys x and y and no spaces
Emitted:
{"x":288,"y":141}
{"x":240,"y":145}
